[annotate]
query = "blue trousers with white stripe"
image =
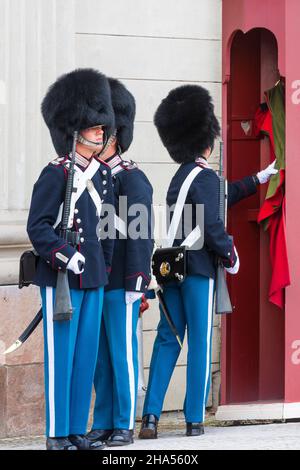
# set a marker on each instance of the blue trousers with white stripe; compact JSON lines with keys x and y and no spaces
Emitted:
{"x":70,"y":354}
{"x":190,"y":305}
{"x":116,"y":376}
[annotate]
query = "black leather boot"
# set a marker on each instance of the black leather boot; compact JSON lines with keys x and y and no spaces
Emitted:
{"x":149,"y":427}
{"x":83,"y":443}
{"x":120,"y":437}
{"x":99,"y":434}
{"x":59,"y":443}
{"x":194,"y":429}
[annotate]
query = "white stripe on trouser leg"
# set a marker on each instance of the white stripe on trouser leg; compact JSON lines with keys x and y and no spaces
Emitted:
{"x":129,"y":356}
{"x":208,"y":339}
{"x":50,"y":344}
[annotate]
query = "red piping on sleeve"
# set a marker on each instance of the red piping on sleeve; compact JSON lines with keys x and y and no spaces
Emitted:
{"x":54,"y":251}
{"x":138,"y":274}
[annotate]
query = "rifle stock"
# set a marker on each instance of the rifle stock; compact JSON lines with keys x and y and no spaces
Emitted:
{"x":63,"y":306}
{"x":223,"y":303}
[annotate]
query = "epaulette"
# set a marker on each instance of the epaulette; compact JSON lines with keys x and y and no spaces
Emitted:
{"x":128,"y":165}
{"x":59,"y":161}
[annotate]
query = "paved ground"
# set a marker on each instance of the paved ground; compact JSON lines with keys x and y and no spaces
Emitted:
{"x":216,"y":437}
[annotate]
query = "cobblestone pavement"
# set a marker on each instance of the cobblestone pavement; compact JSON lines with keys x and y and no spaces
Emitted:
{"x":217,"y":436}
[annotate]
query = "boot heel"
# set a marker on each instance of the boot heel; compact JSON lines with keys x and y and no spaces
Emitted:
{"x":194,"y":429}
{"x":149,"y":427}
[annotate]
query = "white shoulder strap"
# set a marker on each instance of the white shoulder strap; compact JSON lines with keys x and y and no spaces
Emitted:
{"x":179,"y":207}
{"x":81,"y":182}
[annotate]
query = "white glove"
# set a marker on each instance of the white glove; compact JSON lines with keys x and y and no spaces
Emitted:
{"x":153,"y":283}
{"x":236,"y":266}
{"x":264,"y":175}
{"x":73,"y":263}
{"x":131,"y":296}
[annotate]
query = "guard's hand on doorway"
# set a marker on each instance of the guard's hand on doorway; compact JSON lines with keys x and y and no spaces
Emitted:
{"x":264,"y":175}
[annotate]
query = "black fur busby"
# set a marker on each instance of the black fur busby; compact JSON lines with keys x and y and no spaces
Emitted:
{"x":76,"y":101}
{"x":186,"y":122}
{"x":124,"y":108}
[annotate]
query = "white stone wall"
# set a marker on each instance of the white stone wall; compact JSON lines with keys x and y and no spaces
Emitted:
{"x":36,"y":44}
{"x":152,"y":46}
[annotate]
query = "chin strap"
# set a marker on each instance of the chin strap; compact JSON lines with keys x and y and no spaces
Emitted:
{"x":84,"y":141}
{"x":107,"y":144}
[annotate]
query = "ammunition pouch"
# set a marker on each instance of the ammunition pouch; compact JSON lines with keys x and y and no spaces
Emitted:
{"x":27,"y":268}
{"x":169,"y":265}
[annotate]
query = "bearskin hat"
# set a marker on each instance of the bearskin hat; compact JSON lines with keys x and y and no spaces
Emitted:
{"x":186,"y":122}
{"x":124,"y":108}
{"x":76,"y":101}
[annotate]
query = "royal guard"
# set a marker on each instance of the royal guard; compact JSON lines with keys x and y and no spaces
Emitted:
{"x":77,"y":101}
{"x":116,"y":377}
{"x":188,"y":127}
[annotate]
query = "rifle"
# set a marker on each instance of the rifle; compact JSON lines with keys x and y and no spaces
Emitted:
{"x":63,"y":307}
{"x":222,"y":299}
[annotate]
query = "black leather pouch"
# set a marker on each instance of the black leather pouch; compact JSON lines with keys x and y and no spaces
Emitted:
{"x":28,"y":264}
{"x":169,"y":264}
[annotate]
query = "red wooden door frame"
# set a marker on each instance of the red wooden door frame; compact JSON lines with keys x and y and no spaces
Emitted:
{"x":282,"y":18}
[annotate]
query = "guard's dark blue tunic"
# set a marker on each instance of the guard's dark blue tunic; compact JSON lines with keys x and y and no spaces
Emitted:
{"x":47,"y":197}
{"x":205,"y":190}
{"x":132,"y":257}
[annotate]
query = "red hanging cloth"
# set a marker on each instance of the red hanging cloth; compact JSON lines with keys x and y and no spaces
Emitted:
{"x":272,"y":212}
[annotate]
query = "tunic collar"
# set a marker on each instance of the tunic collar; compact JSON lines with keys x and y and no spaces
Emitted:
{"x":114,"y":160}
{"x":82,"y":161}
{"x":202,"y":162}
